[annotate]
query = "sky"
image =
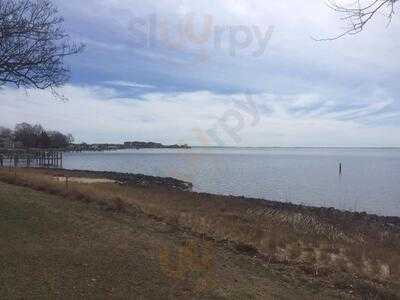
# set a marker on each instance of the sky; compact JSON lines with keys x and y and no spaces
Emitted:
{"x":221,"y":73}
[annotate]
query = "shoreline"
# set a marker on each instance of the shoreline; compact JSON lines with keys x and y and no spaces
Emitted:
{"x":170,"y":183}
{"x":129,"y":178}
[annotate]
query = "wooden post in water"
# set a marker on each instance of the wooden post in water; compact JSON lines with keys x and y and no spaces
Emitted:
{"x":340,"y":168}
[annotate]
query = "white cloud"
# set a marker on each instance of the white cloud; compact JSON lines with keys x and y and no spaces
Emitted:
{"x":94,"y":114}
{"x":295,"y":22}
{"x":128,"y":84}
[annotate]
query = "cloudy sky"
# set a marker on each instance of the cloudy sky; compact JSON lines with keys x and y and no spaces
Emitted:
{"x":213,"y":72}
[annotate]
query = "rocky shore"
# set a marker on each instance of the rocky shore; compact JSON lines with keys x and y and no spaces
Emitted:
{"x":131,"y":179}
{"x":339,"y":218}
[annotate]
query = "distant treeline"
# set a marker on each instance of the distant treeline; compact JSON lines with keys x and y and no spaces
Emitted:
{"x":33,"y":136}
{"x":126,"y":145}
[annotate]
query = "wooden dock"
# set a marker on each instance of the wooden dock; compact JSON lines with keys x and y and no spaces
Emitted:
{"x":31,"y":158}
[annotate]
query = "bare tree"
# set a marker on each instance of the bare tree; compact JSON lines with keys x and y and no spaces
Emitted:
{"x":359,"y":13}
{"x":33,"y":45}
{"x":35,"y":136}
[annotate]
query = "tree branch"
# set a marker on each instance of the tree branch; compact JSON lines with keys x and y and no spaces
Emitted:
{"x":359,"y":14}
{"x":33,"y":45}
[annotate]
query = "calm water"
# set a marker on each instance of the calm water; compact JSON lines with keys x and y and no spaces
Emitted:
{"x":370,"y":181}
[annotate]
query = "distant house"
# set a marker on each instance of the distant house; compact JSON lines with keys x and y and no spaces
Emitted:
{"x":7,"y":143}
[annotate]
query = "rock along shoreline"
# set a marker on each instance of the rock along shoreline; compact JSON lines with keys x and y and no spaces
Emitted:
{"x":132,"y":179}
{"x":338,"y":217}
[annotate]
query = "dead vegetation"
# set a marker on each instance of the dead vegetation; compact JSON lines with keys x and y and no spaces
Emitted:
{"x":329,"y":245}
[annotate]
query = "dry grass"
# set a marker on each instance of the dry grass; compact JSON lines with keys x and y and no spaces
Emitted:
{"x":74,"y":250}
{"x":319,"y":245}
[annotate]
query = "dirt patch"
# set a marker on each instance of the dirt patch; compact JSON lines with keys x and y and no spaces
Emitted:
{"x":129,"y":179}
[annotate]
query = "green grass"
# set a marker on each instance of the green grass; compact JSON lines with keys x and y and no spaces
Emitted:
{"x":52,"y":247}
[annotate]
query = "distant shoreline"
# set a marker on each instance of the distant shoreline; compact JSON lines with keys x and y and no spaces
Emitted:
{"x":83,"y":147}
{"x":293,"y":147}
{"x":245,"y":148}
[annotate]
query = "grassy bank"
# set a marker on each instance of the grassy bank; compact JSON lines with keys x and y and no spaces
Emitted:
{"x":355,"y":253}
{"x":51,"y":248}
